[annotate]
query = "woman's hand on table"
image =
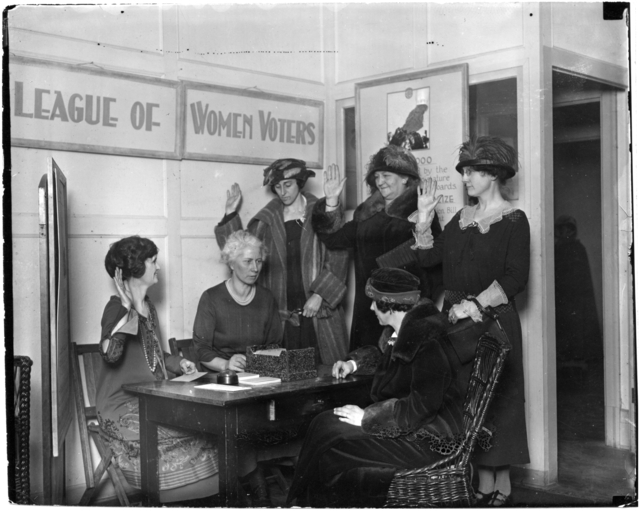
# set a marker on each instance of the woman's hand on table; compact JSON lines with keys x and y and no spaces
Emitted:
{"x":312,"y":306}
{"x":457,"y":312}
{"x":333,"y":185}
{"x":427,"y":200}
{"x":351,"y":414}
{"x":237,"y":362}
{"x":234,"y":196}
{"x":187,"y":366}
{"x":342,"y":369}
{"x":123,"y":289}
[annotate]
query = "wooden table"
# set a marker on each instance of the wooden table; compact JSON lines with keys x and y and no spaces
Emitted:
{"x":260,"y":412}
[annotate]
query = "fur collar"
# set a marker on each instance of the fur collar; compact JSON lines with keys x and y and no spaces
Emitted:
{"x":402,"y":207}
{"x":274,"y":208}
{"x":422,"y":324}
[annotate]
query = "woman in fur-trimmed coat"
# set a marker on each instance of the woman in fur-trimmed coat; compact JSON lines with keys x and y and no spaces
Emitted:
{"x":381,"y":223}
{"x":300,"y":272}
{"x":350,"y":455}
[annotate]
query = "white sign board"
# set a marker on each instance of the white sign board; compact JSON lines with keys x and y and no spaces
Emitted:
{"x":78,"y":108}
{"x":247,"y":126}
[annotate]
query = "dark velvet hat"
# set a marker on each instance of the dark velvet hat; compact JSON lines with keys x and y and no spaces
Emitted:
{"x":486,"y":151}
{"x":392,"y":158}
{"x":286,"y":168}
{"x":393,"y":285}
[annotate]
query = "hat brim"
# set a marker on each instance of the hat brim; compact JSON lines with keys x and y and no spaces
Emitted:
{"x":485,"y":163}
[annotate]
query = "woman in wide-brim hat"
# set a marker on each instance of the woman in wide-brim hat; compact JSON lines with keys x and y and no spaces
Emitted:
{"x":484,"y":252}
{"x":385,"y":220}
{"x":301,"y":273}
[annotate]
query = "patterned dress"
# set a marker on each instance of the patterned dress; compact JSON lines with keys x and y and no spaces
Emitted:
{"x":183,"y":457}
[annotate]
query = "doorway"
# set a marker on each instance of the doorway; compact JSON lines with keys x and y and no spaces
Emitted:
{"x":583,"y":358}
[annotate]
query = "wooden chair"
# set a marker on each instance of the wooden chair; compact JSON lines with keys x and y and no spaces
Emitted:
{"x":19,"y":485}
{"x":88,"y":426}
{"x":447,"y":483}
{"x":184,"y":348}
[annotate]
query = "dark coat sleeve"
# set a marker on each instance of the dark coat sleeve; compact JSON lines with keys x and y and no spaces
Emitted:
{"x":516,"y":273}
{"x":430,"y":377}
{"x":331,"y":227}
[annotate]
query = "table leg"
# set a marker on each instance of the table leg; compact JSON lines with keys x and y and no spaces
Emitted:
{"x":148,"y":458}
{"x":228,"y":459}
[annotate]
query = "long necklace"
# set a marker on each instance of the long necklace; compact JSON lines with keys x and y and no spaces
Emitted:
{"x":149,"y":339}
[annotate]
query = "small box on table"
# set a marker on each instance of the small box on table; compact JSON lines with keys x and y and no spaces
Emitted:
{"x":288,"y":365}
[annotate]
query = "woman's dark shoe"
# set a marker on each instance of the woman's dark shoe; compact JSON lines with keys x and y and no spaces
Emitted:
{"x":483,"y":499}
{"x":501,"y":500}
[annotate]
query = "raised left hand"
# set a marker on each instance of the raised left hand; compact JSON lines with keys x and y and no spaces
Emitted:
{"x":312,"y":306}
{"x":351,"y":414}
{"x":187,"y":366}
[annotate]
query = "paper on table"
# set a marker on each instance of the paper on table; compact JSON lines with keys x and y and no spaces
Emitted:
{"x":189,"y":377}
{"x":247,"y":376}
{"x":272,"y":353}
{"x":263,"y":380}
{"x":223,"y":388}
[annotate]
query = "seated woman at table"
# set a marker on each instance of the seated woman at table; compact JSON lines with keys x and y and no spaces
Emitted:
{"x":231,"y":316}
{"x":349,"y":455}
{"x":131,"y":350}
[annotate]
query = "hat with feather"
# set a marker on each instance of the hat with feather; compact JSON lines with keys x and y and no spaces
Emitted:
{"x":286,"y":168}
{"x":490,"y":154}
{"x":394,"y":157}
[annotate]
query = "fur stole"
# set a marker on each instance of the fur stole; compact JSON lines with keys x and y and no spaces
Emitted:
{"x":423,"y":323}
{"x":402,"y":207}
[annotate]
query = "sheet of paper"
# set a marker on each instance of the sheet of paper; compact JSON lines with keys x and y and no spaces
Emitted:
{"x":189,"y":377}
{"x":272,"y":353}
{"x":263,"y":380}
{"x":219,"y":387}
{"x":247,"y":376}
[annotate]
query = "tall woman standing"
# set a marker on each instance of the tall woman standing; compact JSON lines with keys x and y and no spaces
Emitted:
{"x":484,"y":251}
{"x":301,"y":273}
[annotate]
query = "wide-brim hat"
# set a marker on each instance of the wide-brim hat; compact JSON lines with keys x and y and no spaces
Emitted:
{"x":486,"y":151}
{"x":392,"y":158}
{"x":286,"y":168}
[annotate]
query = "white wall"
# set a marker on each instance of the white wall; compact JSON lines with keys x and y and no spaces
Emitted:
{"x":178,"y":203}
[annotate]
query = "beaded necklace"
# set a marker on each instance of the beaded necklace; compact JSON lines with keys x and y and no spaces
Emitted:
{"x":150,"y":344}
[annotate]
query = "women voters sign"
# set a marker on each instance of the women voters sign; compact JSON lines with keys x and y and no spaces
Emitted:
{"x":250,"y":126}
{"x":80,"y":108}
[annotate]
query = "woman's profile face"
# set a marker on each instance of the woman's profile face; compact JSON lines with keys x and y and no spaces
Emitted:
{"x":152,"y":268}
{"x":383,"y":317}
{"x":391,"y":185}
{"x":246,"y":265}
{"x":287,"y":191}
{"x":476,"y":182}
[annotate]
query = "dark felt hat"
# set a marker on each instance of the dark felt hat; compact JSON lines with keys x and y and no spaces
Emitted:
{"x":393,"y":285}
{"x":286,"y":168}
{"x":392,"y":158}
{"x":486,"y":151}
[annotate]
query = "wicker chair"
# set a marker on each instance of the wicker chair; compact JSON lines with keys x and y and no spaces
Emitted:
{"x":447,"y":483}
{"x":19,"y":471}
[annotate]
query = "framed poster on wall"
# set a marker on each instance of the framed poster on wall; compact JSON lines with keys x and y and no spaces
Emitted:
{"x":432,"y":106}
{"x":233,"y":125}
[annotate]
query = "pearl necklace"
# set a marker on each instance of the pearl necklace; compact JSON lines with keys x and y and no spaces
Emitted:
{"x":149,"y":340}
{"x":238,"y":300}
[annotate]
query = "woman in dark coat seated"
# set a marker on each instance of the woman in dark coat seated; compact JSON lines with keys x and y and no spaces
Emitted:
{"x":350,"y":455}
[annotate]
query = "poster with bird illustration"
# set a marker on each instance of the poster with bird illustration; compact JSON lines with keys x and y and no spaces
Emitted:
{"x":408,"y":117}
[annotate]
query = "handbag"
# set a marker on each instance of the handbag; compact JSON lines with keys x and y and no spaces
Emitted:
{"x":466,"y":333}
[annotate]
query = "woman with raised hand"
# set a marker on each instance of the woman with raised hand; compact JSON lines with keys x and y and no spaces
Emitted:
{"x":132,"y":353}
{"x":307,"y":280}
{"x":484,"y":251}
{"x":385,"y":220}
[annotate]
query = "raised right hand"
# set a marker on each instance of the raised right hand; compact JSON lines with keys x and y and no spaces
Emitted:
{"x":123,"y":289}
{"x":427,"y":200}
{"x":237,"y":362}
{"x":234,"y":196}
{"x":333,"y":185}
